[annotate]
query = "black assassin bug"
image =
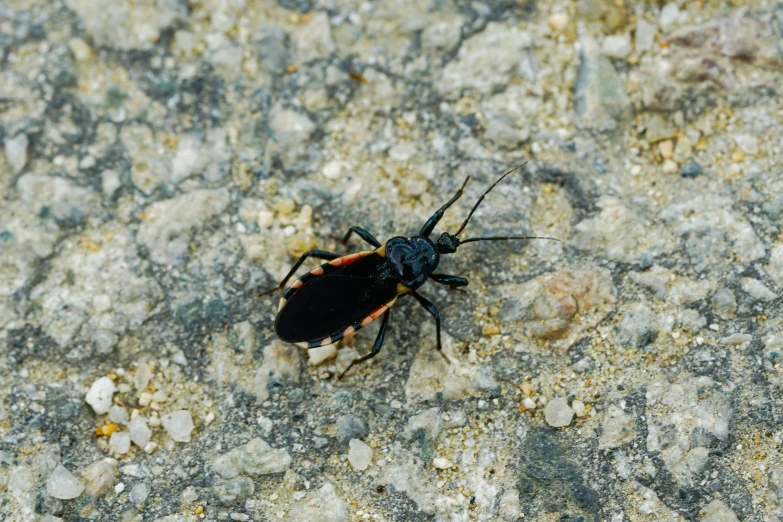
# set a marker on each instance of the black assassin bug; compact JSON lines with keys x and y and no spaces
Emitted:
{"x":349,"y":292}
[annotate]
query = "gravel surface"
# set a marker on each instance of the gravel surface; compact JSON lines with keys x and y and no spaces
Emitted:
{"x":165,"y":161}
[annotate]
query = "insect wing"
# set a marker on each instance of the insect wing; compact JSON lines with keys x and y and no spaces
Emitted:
{"x":327,"y":304}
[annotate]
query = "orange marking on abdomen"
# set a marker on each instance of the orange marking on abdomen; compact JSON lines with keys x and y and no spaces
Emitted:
{"x":296,"y":284}
{"x":350,"y":258}
{"x":375,"y":314}
{"x":317,"y":271}
{"x":349,"y":331}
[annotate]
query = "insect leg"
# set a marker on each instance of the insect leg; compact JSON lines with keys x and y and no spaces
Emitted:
{"x":428,"y":227}
{"x":434,"y":312}
{"x":319,"y":254}
{"x":376,"y":346}
{"x":449,"y":280}
{"x":362,"y":233}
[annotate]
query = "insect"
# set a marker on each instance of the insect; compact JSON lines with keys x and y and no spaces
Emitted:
{"x":351,"y":291}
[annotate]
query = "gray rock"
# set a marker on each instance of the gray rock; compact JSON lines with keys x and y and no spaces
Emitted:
{"x":617,"y":428}
{"x":273,"y":48}
{"x":442,"y":36}
{"x":638,"y":326}
{"x":717,"y":511}
{"x":757,"y":290}
{"x":234,"y":490}
{"x":659,"y":129}
{"x":167,"y":226}
{"x":16,"y":152}
{"x":485,"y":62}
{"x":645,"y":34}
{"x":691,"y":169}
{"x":254,"y":458}
{"x":616,"y":46}
{"x":282,"y":364}
{"x":350,"y":427}
{"x":99,"y":477}
{"x":322,"y":505}
{"x":291,"y":132}
{"x":775,"y":477}
{"x":600,"y":98}
{"x":430,"y":422}
{"x":502,"y":131}
{"x":127,"y":27}
{"x":775,"y":265}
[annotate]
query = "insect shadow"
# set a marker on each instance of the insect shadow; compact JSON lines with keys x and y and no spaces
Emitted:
{"x":350,"y":291}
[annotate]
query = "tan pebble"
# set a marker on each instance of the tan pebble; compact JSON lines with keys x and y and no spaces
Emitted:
{"x":441,"y":463}
{"x":666,"y":148}
{"x":558,"y":22}
{"x":285,"y":206}
{"x":491,"y":329}
{"x":738,"y":156}
{"x":322,"y":354}
{"x":265,"y":219}
{"x":669,"y":166}
{"x":527,"y":388}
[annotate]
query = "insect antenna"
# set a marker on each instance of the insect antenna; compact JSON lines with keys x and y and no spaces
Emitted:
{"x":504,"y":238}
{"x":465,"y":223}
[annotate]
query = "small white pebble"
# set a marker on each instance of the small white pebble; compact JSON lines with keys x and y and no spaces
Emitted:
{"x":120,"y":442}
{"x":441,"y":463}
{"x":63,"y":484}
{"x":579,"y":408}
{"x":100,"y":395}
{"x":119,"y":488}
{"x":333,"y":169}
{"x":101,"y":303}
{"x":557,"y":413}
{"x":179,"y":425}
{"x":16,"y":152}
{"x":359,"y":455}
{"x":558,"y":22}
{"x":118,"y":414}
{"x":529,"y":403}
{"x":322,"y":354}
{"x":265,"y":219}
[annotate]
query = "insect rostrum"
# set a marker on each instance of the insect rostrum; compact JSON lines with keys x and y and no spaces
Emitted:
{"x":349,"y":292}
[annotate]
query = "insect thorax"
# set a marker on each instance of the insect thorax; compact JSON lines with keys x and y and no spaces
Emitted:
{"x":411,"y":260}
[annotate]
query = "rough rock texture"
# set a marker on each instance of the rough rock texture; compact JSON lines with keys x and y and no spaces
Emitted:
{"x":163,"y":162}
